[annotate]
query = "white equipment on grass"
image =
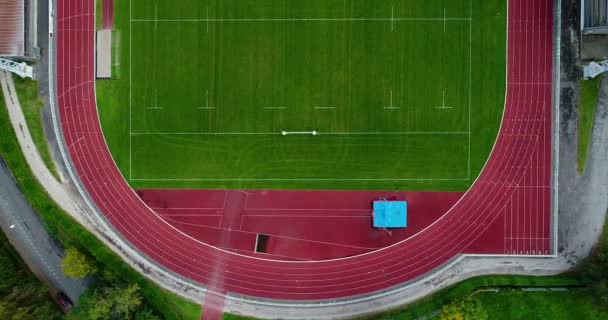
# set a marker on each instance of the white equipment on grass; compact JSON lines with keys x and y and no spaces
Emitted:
{"x":593,"y":69}
{"x":21,"y":69}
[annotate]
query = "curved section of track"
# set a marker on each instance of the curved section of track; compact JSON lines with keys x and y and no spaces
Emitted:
{"x":521,"y":158}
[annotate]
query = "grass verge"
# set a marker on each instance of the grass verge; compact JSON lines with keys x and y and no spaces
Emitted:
{"x":437,"y":300}
{"x":589,"y":94}
{"x":519,"y":305}
{"x":27,"y":90}
{"x":71,"y":233}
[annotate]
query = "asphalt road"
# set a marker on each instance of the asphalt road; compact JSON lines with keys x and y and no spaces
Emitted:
{"x":26,"y":233}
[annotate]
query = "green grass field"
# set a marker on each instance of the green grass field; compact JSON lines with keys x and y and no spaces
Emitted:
{"x":589,"y":95}
{"x":402,"y":94}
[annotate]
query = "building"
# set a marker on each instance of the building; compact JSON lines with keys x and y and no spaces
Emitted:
{"x":594,"y":16}
{"x":12,"y":28}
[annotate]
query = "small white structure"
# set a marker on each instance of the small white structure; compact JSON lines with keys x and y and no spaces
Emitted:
{"x":21,"y":69}
{"x":104,"y":54}
{"x":593,"y":69}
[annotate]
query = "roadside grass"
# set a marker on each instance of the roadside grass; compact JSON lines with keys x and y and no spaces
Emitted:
{"x":27,"y":90}
{"x":71,"y":233}
{"x":589,"y":95}
{"x":518,"y":305}
{"x":435,"y":301}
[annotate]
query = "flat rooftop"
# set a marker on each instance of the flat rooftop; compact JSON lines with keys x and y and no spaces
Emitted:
{"x":12,"y":28}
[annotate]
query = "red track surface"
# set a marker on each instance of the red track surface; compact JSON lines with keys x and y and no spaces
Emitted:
{"x":108,"y":14}
{"x":508,"y":207}
{"x":302,"y":225}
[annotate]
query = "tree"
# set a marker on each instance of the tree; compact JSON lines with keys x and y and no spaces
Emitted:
{"x":76,"y":265}
{"x":464,"y":309}
{"x":146,"y":314}
{"x":101,"y":307}
{"x":115,"y":303}
{"x":126,"y":300}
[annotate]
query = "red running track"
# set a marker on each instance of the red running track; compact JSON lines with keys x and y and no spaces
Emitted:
{"x":301,"y":225}
{"x":108,"y":14}
{"x":511,"y":198}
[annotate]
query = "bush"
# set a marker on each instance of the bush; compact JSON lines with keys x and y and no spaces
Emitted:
{"x":464,"y":309}
{"x":76,"y":265}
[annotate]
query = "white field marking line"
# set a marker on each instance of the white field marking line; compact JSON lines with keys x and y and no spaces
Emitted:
{"x":206,"y":102}
{"x":470,"y":84}
{"x":391,"y":105}
{"x":155,"y":102}
{"x":325,"y":107}
{"x":300,"y":179}
{"x":444,"y":17}
{"x":299,"y":19}
{"x":443,"y":106}
{"x":130,"y":95}
{"x":319,"y":133}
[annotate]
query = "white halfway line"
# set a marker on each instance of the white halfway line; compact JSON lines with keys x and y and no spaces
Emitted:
{"x":298,"y":19}
{"x":308,"y":132}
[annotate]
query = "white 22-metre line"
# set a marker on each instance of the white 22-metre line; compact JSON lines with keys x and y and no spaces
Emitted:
{"x":314,"y":132}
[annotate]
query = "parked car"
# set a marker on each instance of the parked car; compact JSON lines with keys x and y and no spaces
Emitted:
{"x":65,"y":302}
